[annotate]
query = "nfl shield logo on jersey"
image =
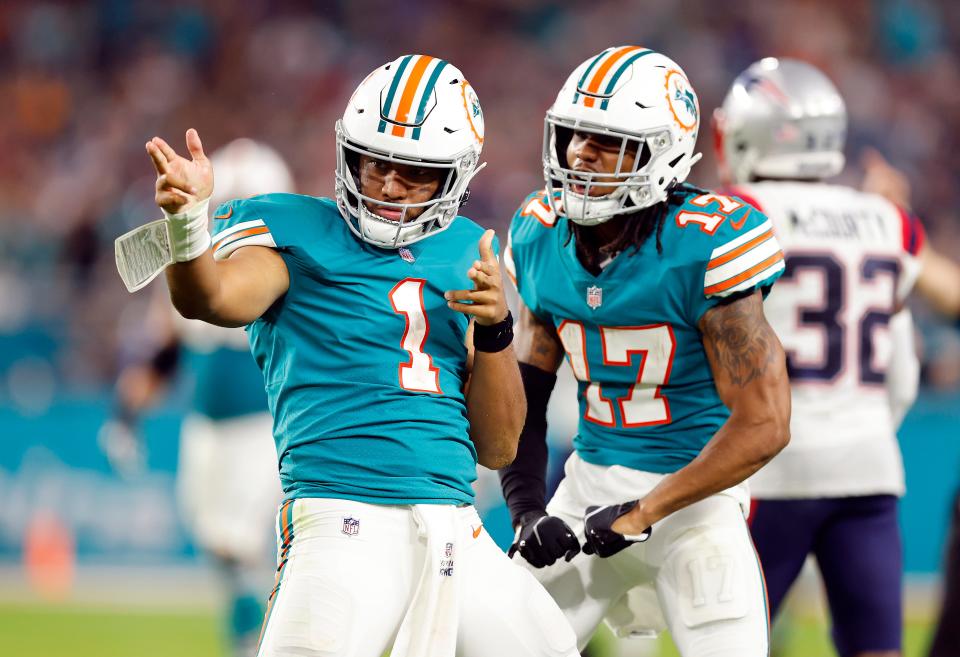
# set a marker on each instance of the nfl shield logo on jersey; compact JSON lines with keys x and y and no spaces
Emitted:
{"x":406,"y":254}
{"x":594,"y":297}
{"x":351,"y":526}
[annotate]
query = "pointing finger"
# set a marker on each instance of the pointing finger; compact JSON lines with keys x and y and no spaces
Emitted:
{"x":165,"y":148}
{"x":194,"y":145}
{"x":159,"y":161}
{"x":486,"y":246}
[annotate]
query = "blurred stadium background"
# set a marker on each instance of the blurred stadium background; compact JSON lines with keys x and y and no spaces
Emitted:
{"x":92,"y":563}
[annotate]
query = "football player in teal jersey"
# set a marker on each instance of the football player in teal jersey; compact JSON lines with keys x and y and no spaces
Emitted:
{"x":652,"y":288}
{"x":385,"y":346}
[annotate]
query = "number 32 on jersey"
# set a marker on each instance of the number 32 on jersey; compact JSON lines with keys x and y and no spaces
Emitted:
{"x":648,"y":348}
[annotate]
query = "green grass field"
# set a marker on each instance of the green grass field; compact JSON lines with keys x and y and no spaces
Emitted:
{"x":42,"y":630}
{"x":800,"y":637}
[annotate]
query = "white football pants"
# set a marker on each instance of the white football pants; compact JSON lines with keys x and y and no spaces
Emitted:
{"x":698,"y":574}
{"x":348,"y":572}
{"x":228,"y":485}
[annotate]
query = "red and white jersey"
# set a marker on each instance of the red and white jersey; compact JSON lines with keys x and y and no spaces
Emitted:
{"x":851,"y":260}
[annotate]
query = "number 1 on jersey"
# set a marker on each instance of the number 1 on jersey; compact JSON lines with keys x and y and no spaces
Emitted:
{"x":418,"y":374}
{"x":643,"y":405}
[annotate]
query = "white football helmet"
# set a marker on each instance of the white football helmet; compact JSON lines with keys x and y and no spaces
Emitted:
{"x":782,"y":118}
{"x":245,"y":168}
{"x":416,"y":110}
{"x":639,"y":96}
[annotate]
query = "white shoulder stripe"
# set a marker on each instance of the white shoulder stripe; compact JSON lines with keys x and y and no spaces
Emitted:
{"x":742,"y":263}
{"x":243,"y":225}
{"x":750,"y":282}
{"x":262,"y":239}
{"x":742,"y":239}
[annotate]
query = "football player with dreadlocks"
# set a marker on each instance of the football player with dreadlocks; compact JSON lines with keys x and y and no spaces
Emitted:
{"x":653,"y":289}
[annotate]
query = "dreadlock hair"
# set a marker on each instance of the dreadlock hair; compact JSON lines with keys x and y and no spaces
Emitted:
{"x":636,"y":230}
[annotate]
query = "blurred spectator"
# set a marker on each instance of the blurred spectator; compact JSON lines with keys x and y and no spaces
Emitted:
{"x":87,"y":83}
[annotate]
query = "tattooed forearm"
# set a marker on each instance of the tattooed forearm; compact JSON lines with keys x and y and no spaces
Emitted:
{"x":536,"y":343}
{"x":740,"y":343}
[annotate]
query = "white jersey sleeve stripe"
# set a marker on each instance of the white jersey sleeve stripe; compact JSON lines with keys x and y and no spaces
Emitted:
{"x":743,"y":239}
{"x":752,"y":281}
{"x":746,"y":279}
{"x":741,"y":262}
{"x":254,"y":236}
{"x":243,"y":225}
{"x":261,"y":239}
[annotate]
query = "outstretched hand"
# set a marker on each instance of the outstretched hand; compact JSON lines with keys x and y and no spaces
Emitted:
{"x":180,"y":182}
{"x":486,"y":301}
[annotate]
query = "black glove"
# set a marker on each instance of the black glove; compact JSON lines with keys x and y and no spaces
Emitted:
{"x":600,"y":539}
{"x":542,"y":539}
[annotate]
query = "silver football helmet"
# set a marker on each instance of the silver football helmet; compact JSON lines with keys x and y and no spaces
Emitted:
{"x":782,"y":118}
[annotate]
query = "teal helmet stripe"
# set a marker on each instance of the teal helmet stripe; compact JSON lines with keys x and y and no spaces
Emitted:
{"x":583,"y":78}
{"x":393,"y":90}
{"x":427,"y":92}
{"x":620,"y":71}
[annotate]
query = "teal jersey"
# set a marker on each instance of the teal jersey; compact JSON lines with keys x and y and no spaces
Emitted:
{"x":364,"y":364}
{"x":227,"y":383}
{"x":646,"y":391}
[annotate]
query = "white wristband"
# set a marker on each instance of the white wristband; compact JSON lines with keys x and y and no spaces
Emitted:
{"x":189,"y":232}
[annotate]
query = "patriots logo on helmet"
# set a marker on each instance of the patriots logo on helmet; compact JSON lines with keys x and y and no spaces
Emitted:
{"x":766,"y":86}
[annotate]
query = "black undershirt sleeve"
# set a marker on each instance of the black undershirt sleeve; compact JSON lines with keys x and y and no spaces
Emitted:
{"x":524,"y":482}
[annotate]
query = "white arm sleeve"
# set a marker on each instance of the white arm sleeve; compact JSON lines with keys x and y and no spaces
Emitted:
{"x":903,"y":375}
